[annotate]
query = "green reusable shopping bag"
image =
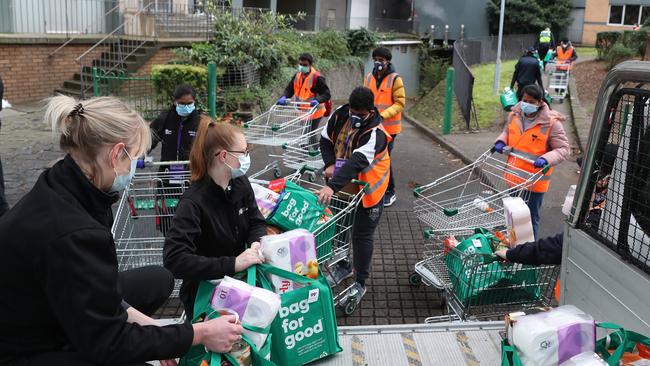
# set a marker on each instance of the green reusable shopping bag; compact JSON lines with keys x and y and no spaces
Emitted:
{"x":198,"y":355}
{"x":508,"y":99}
{"x":509,"y":356}
{"x":473,"y":270}
{"x":297,"y":209}
{"x":619,"y":342}
{"x":305,"y":329}
{"x":523,"y":282}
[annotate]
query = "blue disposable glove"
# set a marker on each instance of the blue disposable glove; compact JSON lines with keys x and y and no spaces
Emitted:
{"x":313,"y":103}
{"x":499,"y":146}
{"x":540,"y":162}
{"x":282,"y":100}
{"x":140,"y":164}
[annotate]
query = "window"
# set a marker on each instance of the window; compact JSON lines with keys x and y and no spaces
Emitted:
{"x":631,"y":14}
{"x":331,"y":18}
{"x":616,"y":14}
{"x":645,"y":14}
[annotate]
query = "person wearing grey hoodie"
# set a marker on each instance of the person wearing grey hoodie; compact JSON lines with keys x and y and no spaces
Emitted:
{"x":534,"y":131}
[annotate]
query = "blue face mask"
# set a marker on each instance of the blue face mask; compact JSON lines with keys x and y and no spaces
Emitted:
{"x":244,"y":164}
{"x":185,"y":110}
{"x":528,"y":108}
{"x":303,"y":69}
{"x":122,"y":181}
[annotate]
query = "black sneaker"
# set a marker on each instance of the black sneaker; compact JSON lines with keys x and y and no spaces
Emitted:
{"x":389,"y":199}
{"x":339,"y":274}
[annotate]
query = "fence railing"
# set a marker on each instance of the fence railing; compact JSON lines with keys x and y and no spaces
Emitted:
{"x":312,"y":23}
{"x":484,"y":49}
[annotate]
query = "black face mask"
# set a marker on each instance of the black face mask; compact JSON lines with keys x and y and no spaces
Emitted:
{"x":357,"y":121}
{"x":379,"y":67}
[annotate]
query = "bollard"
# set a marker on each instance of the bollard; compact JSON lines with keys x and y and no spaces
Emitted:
{"x":95,"y":83}
{"x":212,"y":89}
{"x":449,"y":93}
{"x":445,"y":42}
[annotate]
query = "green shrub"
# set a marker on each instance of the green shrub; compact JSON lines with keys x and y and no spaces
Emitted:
{"x":432,"y":71}
{"x":636,"y":40}
{"x":331,"y":45}
{"x":361,"y":41}
{"x":605,"y":41}
{"x":167,"y":77}
{"x":619,"y":53}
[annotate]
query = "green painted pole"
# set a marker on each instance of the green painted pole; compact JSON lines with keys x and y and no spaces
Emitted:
{"x":212,"y":89}
{"x":95,"y":83}
{"x":449,"y":93}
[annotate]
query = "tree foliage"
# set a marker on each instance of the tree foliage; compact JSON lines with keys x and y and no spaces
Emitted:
{"x":530,"y":16}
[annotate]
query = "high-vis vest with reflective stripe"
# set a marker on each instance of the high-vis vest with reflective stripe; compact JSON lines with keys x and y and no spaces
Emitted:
{"x":545,"y":37}
{"x":563,"y":55}
{"x":384,"y":99}
{"x":532,"y":144}
{"x":302,"y":85}
{"x":376,"y":174}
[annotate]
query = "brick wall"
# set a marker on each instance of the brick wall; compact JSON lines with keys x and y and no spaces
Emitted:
{"x":29,"y":74}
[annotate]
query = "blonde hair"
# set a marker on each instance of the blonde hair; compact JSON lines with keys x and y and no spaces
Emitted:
{"x":211,"y":136}
{"x":86,"y":126}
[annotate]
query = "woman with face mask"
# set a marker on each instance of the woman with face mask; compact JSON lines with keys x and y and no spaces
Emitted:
{"x":63,"y":300}
{"x":217,"y":218}
{"x":534,"y":131}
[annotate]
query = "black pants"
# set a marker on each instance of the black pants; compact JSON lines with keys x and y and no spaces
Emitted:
{"x":391,"y":180}
{"x":145,"y":289}
{"x":314,"y":140}
{"x":543,"y":50}
{"x":4,"y":206}
{"x":363,"y":239}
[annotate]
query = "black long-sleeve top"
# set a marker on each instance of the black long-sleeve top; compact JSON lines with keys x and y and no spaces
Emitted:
{"x":58,"y":278}
{"x":543,"y":251}
{"x":527,"y":72}
{"x":211,"y":226}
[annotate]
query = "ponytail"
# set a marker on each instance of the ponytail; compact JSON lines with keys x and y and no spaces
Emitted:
{"x":210,"y":138}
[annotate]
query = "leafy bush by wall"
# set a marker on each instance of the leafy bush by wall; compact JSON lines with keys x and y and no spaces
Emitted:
{"x":636,"y":40}
{"x":360,"y":41}
{"x":167,"y":77}
{"x":605,"y":41}
{"x":619,"y":53}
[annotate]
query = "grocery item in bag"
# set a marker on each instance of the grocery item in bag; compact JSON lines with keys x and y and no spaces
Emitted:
{"x":553,"y":337}
{"x":255,"y":307}
{"x":266,"y":199}
{"x":293,"y":251}
{"x":585,"y":359}
{"x":298,"y":208}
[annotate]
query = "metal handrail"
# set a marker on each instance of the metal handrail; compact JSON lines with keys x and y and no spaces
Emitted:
{"x":73,"y":38}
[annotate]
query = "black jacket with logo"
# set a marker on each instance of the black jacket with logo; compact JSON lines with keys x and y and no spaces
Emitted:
{"x":210,"y":228}
{"x":59,"y":281}
{"x":166,"y":128}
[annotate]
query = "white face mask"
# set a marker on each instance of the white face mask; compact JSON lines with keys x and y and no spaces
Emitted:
{"x":122,"y":181}
{"x":244,"y":164}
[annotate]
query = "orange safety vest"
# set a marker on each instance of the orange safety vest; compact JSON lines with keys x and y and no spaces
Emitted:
{"x":376,"y":174}
{"x":302,"y":85}
{"x":564,"y":56}
{"x":532,"y":144}
{"x":384,"y":99}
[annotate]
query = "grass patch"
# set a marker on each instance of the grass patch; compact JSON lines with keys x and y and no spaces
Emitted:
{"x":587,"y":51}
{"x":488,"y":106}
{"x":430,"y":110}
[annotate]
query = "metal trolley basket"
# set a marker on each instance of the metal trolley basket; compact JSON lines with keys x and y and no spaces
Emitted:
{"x":300,"y":152}
{"x":280,"y":124}
{"x":472,"y":196}
{"x":477,"y":286}
{"x":144,"y":214}
{"x":558,"y":80}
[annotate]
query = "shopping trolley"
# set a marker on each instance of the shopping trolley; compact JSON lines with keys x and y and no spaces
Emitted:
{"x":558,"y":79}
{"x":144,"y":214}
{"x":472,"y":196}
{"x":480,"y":286}
{"x":333,"y":238}
{"x":280,"y":124}
{"x":300,"y":152}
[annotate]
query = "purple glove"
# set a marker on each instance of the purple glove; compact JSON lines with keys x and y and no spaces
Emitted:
{"x":282,"y":100}
{"x":498,"y":146}
{"x":540,"y":162}
{"x":313,"y":103}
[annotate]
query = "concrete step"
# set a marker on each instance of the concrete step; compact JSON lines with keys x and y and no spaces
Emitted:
{"x":65,"y":91}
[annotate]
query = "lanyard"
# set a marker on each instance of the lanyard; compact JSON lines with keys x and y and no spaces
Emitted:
{"x":178,"y":140}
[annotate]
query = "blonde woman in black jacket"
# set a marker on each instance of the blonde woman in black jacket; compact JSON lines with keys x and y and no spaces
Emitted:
{"x":63,"y":301}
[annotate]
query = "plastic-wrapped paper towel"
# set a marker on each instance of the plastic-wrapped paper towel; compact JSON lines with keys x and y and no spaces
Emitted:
{"x":553,"y":337}
{"x":293,"y":251}
{"x":585,"y":359}
{"x":255,"y":306}
{"x":520,"y":227}
{"x":266,"y":199}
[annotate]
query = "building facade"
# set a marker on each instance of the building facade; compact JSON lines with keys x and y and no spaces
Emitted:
{"x":593,"y":16}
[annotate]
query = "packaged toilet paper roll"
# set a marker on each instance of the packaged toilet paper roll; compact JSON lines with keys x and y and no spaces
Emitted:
{"x":520,"y":227}
{"x":585,"y":359}
{"x":255,"y":307}
{"x":266,"y":199}
{"x":553,"y":337}
{"x":293,"y":251}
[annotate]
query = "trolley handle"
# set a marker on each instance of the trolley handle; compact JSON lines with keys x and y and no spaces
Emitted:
{"x":148,"y":161}
{"x":509,"y":150}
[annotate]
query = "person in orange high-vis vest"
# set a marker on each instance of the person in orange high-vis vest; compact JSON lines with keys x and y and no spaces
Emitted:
{"x":309,"y":87}
{"x":565,"y":54}
{"x":354,"y":145}
{"x":535,"y":132}
{"x":390,"y":98}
